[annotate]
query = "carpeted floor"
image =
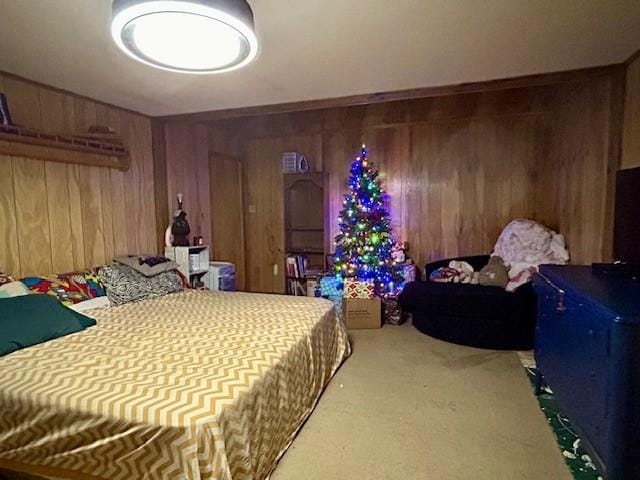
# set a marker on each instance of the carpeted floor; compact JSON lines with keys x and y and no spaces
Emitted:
{"x":406,"y":406}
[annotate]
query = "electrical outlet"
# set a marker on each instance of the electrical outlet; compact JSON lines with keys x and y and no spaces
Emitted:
{"x":275,"y":269}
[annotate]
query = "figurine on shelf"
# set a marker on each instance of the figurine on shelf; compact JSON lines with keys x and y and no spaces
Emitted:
{"x":180,"y":227}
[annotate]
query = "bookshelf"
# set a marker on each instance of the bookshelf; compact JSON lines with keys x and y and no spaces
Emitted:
{"x":305,"y":231}
{"x":193,"y":262}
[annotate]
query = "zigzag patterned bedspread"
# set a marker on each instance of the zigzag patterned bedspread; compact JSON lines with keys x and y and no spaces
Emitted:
{"x":193,"y":385}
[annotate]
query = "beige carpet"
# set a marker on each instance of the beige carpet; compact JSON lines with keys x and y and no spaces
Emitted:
{"x":406,"y":406}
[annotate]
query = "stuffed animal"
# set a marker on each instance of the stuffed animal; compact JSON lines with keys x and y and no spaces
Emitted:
{"x":456,"y":272}
{"x":466,"y":273}
{"x":494,"y":274}
{"x":398,"y":252}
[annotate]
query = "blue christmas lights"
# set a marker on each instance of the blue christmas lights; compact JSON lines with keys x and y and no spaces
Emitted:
{"x":364,"y":244}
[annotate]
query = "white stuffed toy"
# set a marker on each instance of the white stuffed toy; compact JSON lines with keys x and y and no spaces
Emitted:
{"x":466,"y":273}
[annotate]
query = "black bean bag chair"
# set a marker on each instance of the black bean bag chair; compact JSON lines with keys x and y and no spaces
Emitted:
{"x":474,"y":315}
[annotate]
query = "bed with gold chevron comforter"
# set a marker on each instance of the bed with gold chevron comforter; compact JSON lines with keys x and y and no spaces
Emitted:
{"x":192,"y":385}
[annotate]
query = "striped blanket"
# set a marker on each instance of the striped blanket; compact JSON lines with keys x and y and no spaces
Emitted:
{"x":192,"y":385}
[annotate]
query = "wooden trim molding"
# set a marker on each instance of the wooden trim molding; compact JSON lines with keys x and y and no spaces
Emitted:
{"x":367,"y":99}
{"x":84,"y":150}
{"x":634,"y":56}
{"x":42,"y":152}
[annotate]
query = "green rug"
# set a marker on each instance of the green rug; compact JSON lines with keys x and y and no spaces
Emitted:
{"x":577,"y":459}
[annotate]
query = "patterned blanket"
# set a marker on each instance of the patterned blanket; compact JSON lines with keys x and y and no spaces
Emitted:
{"x":524,"y":245}
{"x":192,"y":385}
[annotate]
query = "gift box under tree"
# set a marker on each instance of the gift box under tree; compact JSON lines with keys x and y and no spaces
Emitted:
{"x":391,"y":313}
{"x":358,"y":289}
{"x":331,"y":288}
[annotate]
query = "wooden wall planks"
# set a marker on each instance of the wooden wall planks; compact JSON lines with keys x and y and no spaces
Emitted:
{"x":457,"y":167}
{"x":264,"y":206}
{"x":30,"y":190}
{"x":574,"y":169}
{"x":58,"y":217}
{"x":631,"y":142}
{"x":187,"y":167}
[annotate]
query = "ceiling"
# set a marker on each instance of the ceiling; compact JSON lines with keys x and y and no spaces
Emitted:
{"x":315,"y":49}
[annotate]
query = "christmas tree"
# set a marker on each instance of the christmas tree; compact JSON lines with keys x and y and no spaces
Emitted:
{"x":364,"y":244}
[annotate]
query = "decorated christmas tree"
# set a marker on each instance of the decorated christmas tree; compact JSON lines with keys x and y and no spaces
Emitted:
{"x":365,"y":242}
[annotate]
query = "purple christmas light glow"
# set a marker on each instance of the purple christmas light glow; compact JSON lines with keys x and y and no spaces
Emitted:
{"x":365,"y":241}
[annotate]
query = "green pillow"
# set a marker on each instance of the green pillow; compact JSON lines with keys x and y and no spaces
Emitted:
{"x":32,"y":319}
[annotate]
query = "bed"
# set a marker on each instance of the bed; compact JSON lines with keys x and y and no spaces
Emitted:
{"x":191,"y":385}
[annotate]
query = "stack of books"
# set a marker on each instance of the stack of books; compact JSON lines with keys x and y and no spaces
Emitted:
{"x":302,"y":278}
{"x":297,"y":266}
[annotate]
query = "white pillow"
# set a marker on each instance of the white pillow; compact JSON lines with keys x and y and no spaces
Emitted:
{"x":98,"y":302}
{"x":13,"y":289}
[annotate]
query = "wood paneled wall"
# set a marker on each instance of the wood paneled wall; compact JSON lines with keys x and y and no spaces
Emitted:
{"x":187,"y":166}
{"x":212,"y":186}
{"x":227,"y":213}
{"x":457,"y":167}
{"x":631,"y":143}
{"x":264,"y":206}
{"x":56,"y":217}
{"x":580,"y":155}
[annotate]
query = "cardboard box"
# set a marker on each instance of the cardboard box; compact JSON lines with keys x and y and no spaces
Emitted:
{"x":361,"y":313}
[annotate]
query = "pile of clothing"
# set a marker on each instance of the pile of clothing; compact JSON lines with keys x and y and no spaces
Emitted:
{"x":495,"y":273}
{"x":522,"y":247}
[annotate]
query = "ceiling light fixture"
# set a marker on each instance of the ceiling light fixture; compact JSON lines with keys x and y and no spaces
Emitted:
{"x":189,"y":36}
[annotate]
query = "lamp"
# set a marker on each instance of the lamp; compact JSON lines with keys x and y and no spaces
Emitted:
{"x":189,"y":36}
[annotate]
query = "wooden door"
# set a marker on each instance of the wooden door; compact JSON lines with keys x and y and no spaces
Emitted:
{"x":227,"y":224}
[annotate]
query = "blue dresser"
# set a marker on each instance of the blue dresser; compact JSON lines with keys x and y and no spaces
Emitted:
{"x":588,"y":351}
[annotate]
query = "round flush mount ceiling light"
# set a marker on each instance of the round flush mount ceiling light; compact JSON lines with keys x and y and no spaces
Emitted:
{"x":189,"y":36}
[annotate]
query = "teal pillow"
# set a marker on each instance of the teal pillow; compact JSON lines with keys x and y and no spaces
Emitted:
{"x":32,"y":319}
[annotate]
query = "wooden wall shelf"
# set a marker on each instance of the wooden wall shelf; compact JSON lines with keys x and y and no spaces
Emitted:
{"x":86,"y":149}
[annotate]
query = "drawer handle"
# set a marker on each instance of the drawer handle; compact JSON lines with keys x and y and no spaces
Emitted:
{"x":560,"y":307}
